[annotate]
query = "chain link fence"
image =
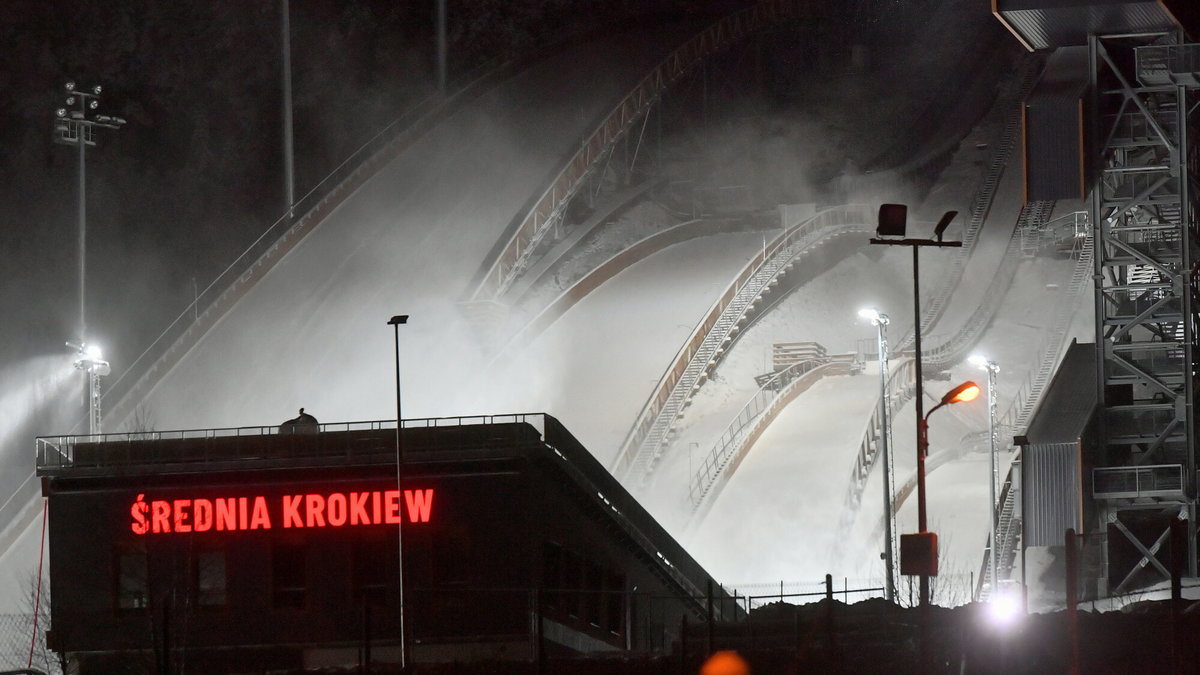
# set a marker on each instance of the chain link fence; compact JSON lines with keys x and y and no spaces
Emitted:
{"x":16,"y":631}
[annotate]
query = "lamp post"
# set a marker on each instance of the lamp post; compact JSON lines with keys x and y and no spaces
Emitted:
{"x":881,"y":321}
{"x":289,"y":171}
{"x":991,"y":368}
{"x":395,"y":323}
{"x":75,"y":124}
{"x":893,"y":220}
{"x":967,"y":391}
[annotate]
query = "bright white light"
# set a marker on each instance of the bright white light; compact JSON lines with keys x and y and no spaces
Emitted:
{"x":1003,"y":609}
{"x":93,"y":352}
{"x":978,"y":360}
{"x":869,"y":313}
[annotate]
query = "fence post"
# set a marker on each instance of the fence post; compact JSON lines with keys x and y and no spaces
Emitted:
{"x":683,"y":644}
{"x":829,"y":610}
{"x":709,"y":645}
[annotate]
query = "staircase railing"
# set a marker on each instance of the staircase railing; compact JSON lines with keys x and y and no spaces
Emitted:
{"x":648,"y":436}
{"x":1008,"y":533}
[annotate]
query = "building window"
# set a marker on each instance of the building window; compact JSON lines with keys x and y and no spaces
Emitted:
{"x":614,"y":599}
{"x":289,"y":576}
{"x":210,"y":579}
{"x":374,"y":566}
{"x":453,"y":562}
{"x":552,"y":561}
{"x":133,"y":585}
{"x":584,"y":590}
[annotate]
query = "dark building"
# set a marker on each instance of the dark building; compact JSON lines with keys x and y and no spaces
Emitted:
{"x":248,"y":550}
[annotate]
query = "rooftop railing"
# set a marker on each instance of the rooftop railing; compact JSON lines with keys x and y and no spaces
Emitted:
{"x":273,"y":444}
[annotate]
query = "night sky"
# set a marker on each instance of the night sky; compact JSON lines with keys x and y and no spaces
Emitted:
{"x":196,"y":174}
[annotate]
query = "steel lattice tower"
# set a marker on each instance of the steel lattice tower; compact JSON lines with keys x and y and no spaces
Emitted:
{"x":1145,"y":93}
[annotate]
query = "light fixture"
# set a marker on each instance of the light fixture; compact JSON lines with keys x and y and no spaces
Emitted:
{"x":1004,"y":608}
{"x":991,"y":368}
{"x":873,"y":315}
{"x":70,"y":86}
{"x":96,"y":90}
{"x":963,"y":393}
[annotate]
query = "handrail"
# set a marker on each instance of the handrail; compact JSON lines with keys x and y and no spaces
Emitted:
{"x":57,"y":453}
{"x":1005,"y":533}
{"x":717,"y":328}
{"x":511,"y":259}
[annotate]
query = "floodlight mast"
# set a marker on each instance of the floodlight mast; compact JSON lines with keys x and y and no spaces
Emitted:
{"x":893,"y":223}
{"x":881,"y":321}
{"x":991,"y":368}
{"x":76,"y":125}
{"x":73,"y":126}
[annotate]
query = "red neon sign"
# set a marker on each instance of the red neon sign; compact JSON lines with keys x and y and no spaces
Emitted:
{"x":236,"y":514}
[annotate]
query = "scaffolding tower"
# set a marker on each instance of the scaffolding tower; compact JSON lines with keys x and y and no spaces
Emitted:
{"x":1145,"y":90}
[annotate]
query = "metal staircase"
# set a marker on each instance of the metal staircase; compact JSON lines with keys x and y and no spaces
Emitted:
{"x":1008,"y":533}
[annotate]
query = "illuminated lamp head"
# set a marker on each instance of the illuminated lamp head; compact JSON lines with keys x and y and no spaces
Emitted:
{"x":1003,"y":609}
{"x":967,"y":391}
{"x":874,"y":316}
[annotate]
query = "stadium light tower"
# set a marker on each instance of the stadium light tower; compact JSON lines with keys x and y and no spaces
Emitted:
{"x":881,"y":321}
{"x":991,"y":368}
{"x":76,"y":124}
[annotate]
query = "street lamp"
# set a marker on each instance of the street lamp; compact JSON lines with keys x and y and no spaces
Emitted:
{"x":893,"y":221}
{"x":76,"y":125}
{"x":395,"y":323}
{"x":881,"y":321}
{"x":991,"y":368}
{"x":921,"y":548}
{"x":90,"y":359}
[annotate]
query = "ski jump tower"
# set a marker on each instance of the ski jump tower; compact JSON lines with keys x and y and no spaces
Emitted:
{"x":1116,"y":124}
